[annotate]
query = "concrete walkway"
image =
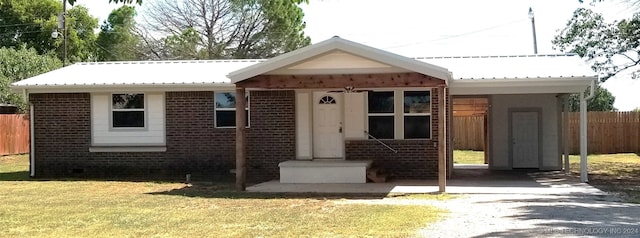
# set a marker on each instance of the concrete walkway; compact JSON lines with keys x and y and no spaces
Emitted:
{"x":505,"y":204}
{"x":466,"y":182}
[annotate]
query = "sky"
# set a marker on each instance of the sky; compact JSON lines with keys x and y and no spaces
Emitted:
{"x":446,"y":28}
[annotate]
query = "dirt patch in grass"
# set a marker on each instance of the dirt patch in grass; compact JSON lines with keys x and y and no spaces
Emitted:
{"x":616,"y":173}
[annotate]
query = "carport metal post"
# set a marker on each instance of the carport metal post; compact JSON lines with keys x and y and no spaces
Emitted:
{"x":583,"y":132}
{"x":583,"y":139}
{"x":565,"y":134}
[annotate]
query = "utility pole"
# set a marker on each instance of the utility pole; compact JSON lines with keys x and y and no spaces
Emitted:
{"x":533,"y":26}
{"x":64,"y":33}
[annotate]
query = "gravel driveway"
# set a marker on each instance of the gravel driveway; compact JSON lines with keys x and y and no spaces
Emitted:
{"x":558,"y":206}
{"x":527,"y":205}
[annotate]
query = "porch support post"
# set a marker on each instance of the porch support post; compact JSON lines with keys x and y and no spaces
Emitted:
{"x":583,"y":139}
{"x":565,"y":134}
{"x":442,"y":144}
{"x":241,"y":140}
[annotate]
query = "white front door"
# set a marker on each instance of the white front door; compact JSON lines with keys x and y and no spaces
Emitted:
{"x":524,"y":140}
{"x":327,"y":125}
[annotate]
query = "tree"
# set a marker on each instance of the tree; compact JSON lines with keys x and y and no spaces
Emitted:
{"x":602,"y":101}
{"x":19,"y":64}
{"x":610,"y":47}
{"x":81,"y":39}
{"x":184,"y":46}
{"x":139,"y":2}
{"x":117,"y":40}
{"x":225,"y":28}
{"x":31,"y":23}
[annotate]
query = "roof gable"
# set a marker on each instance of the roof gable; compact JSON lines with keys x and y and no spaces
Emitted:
{"x":336,"y":47}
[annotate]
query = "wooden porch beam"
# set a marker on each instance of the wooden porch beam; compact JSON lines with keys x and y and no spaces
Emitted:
{"x":442,"y":144}
{"x":241,"y":140}
{"x":357,"y":81}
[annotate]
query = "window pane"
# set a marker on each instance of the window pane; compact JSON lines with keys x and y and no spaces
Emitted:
{"x":228,"y":118}
{"x":417,"y":127}
{"x":226,"y":100}
{"x":225,"y":118}
{"x":128,"y":101}
{"x":128,"y":119}
{"x":417,"y":102}
{"x":380,"y":102}
{"x":381,"y":127}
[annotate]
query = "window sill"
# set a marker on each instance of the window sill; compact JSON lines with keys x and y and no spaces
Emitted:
{"x":127,"y":149}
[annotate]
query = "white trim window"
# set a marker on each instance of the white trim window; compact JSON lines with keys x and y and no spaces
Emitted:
{"x":381,"y":114}
{"x":417,"y":114}
{"x":225,"y":109}
{"x":128,"y":110}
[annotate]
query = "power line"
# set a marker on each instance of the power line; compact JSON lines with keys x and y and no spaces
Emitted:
{"x":21,"y":24}
{"x":455,"y":36}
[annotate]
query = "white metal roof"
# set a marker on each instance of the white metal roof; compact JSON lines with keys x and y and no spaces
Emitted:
{"x":567,"y":73}
{"x":138,"y":73}
{"x":339,"y":44}
{"x":514,"y":67}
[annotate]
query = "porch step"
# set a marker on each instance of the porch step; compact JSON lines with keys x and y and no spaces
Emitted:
{"x":377,"y":175}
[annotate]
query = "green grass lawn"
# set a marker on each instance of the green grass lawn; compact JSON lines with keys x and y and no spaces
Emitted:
{"x":616,"y":173}
{"x":166,"y":209}
{"x":468,"y":157}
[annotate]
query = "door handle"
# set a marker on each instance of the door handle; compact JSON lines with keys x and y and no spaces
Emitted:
{"x":340,"y":130}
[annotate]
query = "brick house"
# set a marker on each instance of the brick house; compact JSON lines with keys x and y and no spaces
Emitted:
{"x":321,"y":114}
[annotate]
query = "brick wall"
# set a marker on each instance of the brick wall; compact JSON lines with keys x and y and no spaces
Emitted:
{"x":194,"y":145}
{"x":416,"y":158}
{"x":62,"y":132}
{"x":271,"y":138}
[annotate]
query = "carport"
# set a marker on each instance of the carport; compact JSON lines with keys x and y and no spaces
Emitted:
{"x":526,"y":104}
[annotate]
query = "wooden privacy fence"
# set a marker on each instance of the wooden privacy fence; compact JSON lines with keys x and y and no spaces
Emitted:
{"x":608,"y":132}
{"x":14,"y":134}
{"x":468,"y":132}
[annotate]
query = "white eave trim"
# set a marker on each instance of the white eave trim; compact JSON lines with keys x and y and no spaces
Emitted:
{"x":520,"y":85}
{"x":337,"y":43}
{"x":162,"y":87}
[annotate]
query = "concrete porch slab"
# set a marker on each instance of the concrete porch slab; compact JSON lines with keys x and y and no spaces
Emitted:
{"x":536,"y":183}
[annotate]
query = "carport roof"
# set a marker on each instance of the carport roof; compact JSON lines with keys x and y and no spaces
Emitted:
{"x":514,"y":66}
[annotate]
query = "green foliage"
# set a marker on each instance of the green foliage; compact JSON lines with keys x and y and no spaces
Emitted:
{"x":116,"y":40}
{"x":602,"y":101}
{"x":31,"y":23}
{"x":19,"y":64}
{"x":203,"y":29}
{"x":81,"y":43}
{"x":610,"y":47}
{"x":139,"y":2}
{"x":184,"y":46}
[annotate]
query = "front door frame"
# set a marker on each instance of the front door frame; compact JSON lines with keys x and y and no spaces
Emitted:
{"x":538,"y":111}
{"x":339,"y":97}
